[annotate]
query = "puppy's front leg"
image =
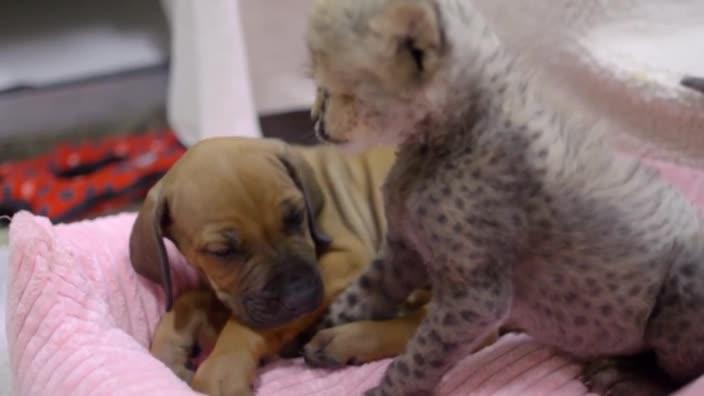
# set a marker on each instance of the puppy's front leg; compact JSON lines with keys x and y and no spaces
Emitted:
{"x":231,"y":367}
{"x":178,"y":331}
{"x":362,"y":342}
{"x":470,"y":302}
{"x":379,"y":291}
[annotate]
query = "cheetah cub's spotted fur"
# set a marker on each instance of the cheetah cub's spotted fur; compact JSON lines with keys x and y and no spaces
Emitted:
{"x":509,"y":210}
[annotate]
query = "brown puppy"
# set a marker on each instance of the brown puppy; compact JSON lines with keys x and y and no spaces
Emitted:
{"x":276,"y":232}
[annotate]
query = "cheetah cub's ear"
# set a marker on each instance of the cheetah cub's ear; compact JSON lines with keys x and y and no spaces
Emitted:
{"x":414,"y":41}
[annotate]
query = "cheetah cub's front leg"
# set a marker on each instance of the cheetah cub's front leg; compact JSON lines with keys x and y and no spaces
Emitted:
{"x":471,"y":299}
{"x":382,"y":288}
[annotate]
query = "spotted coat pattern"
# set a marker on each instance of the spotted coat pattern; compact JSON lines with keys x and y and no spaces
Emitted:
{"x":513,"y":214}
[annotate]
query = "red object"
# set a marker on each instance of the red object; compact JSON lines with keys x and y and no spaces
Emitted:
{"x":75,"y":180}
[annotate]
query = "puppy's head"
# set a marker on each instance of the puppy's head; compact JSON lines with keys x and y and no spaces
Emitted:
{"x":375,"y":63}
{"x":243,"y":212}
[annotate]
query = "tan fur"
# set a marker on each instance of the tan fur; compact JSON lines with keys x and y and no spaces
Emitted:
{"x":239,"y":184}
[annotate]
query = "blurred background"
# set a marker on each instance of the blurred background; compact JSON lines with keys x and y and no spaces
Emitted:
{"x":97,"y":99}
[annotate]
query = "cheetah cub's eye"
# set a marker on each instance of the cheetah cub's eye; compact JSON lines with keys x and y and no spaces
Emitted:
{"x":416,"y":53}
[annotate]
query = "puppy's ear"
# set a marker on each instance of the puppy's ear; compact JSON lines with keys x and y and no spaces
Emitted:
{"x":417,"y":41}
{"x":147,"y":251}
{"x":304,"y":178}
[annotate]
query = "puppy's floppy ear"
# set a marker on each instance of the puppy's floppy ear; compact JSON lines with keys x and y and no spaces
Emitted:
{"x":304,"y":178}
{"x":147,"y":251}
{"x":417,"y":37}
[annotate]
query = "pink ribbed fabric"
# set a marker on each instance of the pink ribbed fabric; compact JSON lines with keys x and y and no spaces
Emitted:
{"x":79,"y":322}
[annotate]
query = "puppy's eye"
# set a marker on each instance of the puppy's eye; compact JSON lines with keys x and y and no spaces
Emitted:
{"x":224,"y":251}
{"x":293,"y":219}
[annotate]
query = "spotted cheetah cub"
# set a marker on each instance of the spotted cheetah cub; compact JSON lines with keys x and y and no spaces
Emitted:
{"x":511,"y":211}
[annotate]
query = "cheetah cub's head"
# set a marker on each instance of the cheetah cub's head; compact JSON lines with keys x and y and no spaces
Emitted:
{"x":377,"y":65}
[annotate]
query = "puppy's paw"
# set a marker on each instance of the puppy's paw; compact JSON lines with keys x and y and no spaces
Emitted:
{"x":339,"y":346}
{"x":351,"y":344}
{"x":322,"y":352}
{"x":184,"y":373}
{"x":220,"y":376}
{"x":176,"y":360}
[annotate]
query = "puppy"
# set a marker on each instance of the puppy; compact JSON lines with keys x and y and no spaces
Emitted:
{"x":275,"y":232}
{"x":513,"y":211}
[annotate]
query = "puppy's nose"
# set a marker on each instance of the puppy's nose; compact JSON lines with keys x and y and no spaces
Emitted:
{"x":302,"y":290}
{"x":301,"y":281}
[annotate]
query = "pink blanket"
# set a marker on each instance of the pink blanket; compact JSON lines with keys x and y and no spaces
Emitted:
{"x":79,"y":322}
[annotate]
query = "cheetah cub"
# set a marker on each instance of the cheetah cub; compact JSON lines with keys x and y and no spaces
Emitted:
{"x":512,"y":212}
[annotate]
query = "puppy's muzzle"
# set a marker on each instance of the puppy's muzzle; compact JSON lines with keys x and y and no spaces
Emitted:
{"x":287,"y":296}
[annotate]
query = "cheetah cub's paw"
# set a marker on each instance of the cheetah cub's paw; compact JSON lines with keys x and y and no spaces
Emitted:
{"x":380,"y":391}
{"x":345,"y":309}
{"x":622,"y":376}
